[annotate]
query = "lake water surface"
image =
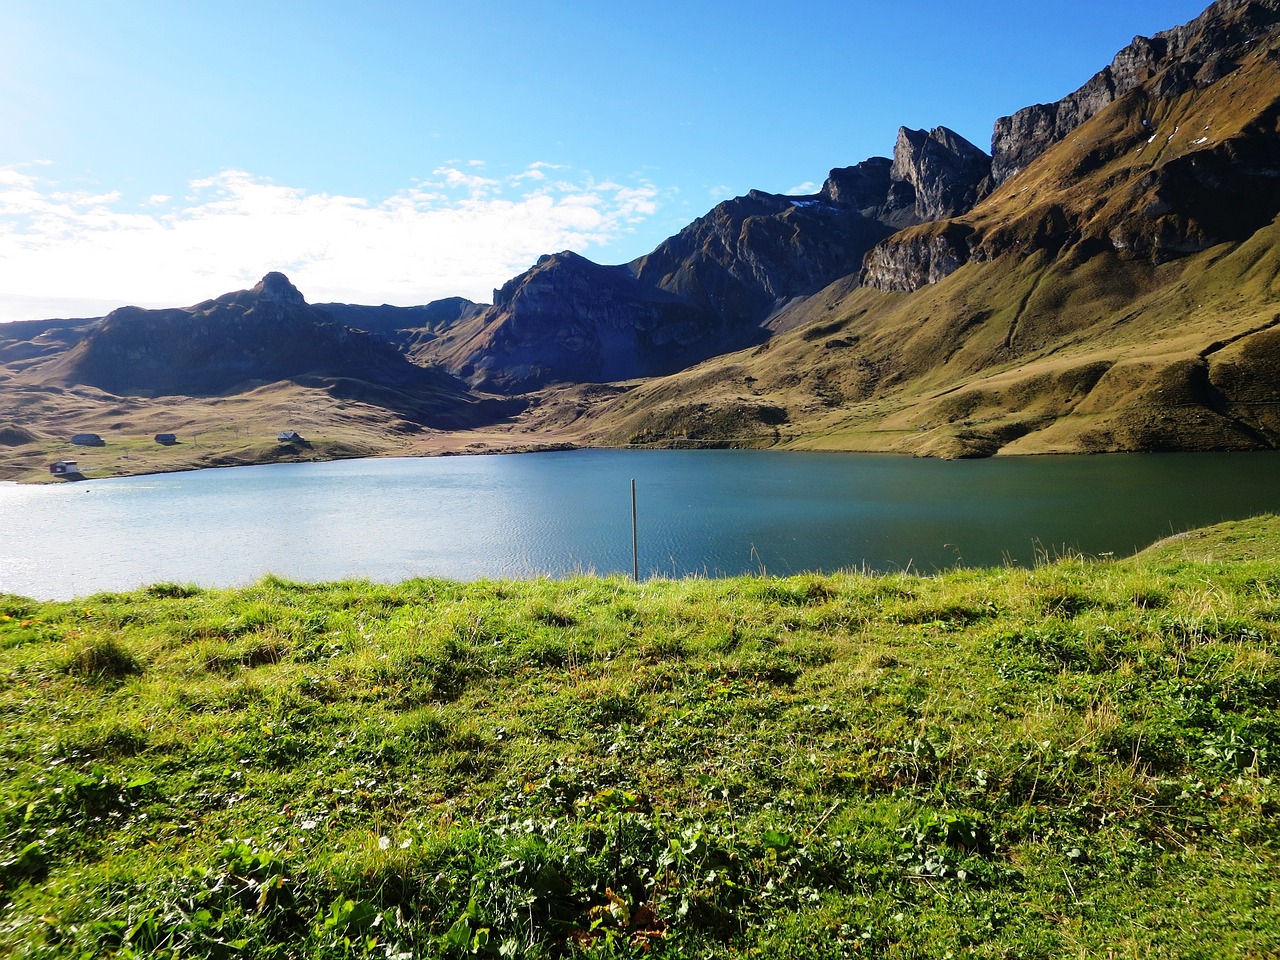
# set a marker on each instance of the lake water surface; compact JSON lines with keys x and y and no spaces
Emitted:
{"x":700,"y":512}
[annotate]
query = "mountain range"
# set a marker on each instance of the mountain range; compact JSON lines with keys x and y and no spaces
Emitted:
{"x":1105,"y":279}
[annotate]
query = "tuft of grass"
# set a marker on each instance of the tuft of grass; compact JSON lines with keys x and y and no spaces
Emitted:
{"x":174,"y":590}
{"x":103,"y":660}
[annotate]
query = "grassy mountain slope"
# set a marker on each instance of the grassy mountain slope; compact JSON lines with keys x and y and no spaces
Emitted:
{"x":1111,"y":356}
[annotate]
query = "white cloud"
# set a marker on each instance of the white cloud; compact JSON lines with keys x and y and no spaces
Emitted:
{"x":803,"y":189}
{"x":454,"y":179}
{"x":453,"y":233}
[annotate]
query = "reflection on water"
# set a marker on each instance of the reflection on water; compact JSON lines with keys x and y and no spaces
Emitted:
{"x":700,"y":512}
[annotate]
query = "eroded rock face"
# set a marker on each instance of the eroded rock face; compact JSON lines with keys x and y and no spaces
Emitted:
{"x":863,"y":186}
{"x":944,"y":170}
{"x":751,"y":254}
{"x":1219,"y":193}
{"x":908,"y":264}
{"x":934,"y":174}
{"x":569,"y":318}
{"x":1194,"y":54}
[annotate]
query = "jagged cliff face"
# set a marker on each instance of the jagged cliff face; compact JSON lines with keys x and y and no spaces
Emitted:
{"x":1178,"y":150}
{"x":925,"y":257}
{"x":945,"y":171}
{"x":569,"y":316}
{"x":1193,"y":55}
{"x":750,"y":255}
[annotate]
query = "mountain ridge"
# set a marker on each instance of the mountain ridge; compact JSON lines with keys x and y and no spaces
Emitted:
{"x":244,"y":339}
{"x":1103,"y":280}
{"x":713,"y":285}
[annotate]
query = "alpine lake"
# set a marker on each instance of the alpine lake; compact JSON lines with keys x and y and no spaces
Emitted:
{"x":698,"y":513}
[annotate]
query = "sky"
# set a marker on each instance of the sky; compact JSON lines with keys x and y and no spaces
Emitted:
{"x":159,"y":153}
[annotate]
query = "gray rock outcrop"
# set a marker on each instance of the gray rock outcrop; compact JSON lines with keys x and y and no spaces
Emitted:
{"x":934,"y":174}
{"x":276,"y":288}
{"x":569,"y":318}
{"x":1194,"y":54}
{"x":751,"y":254}
{"x":944,"y":170}
{"x":909,"y":264}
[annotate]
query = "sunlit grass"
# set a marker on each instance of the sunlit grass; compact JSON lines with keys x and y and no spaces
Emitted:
{"x":1073,"y":758}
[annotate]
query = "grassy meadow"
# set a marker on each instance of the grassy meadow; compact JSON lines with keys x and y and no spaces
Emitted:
{"x":1075,"y":760}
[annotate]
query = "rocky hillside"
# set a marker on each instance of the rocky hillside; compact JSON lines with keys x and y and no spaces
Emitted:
{"x":1196,"y":54}
{"x":569,"y":318}
{"x":715,"y":286}
{"x":26,"y":341}
{"x":1183,"y":155}
{"x":243,"y":340}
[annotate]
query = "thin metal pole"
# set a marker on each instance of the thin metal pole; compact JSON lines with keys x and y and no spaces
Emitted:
{"x":635,"y":542}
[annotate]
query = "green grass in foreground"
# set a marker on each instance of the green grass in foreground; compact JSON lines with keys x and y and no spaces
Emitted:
{"x":1075,"y":760}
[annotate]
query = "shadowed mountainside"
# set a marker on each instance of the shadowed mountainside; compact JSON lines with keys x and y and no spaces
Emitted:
{"x":711,"y":288}
{"x":249,"y":338}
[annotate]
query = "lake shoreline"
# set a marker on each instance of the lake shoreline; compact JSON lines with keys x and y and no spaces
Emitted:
{"x":707,"y":513}
{"x":493,"y":443}
{"x":454,"y":445}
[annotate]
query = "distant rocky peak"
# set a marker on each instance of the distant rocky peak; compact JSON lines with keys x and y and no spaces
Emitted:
{"x":934,"y":174}
{"x":863,"y":185}
{"x":552,"y":269}
{"x":275,"y":287}
{"x":945,"y":169}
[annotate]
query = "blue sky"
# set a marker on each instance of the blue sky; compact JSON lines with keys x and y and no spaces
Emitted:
{"x":160,"y":153}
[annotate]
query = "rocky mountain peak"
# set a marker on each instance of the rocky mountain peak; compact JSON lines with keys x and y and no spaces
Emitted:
{"x":551,"y":269}
{"x":934,"y":174}
{"x":276,"y":288}
{"x":1186,"y":57}
{"x":945,"y":170}
{"x":862,"y":186}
